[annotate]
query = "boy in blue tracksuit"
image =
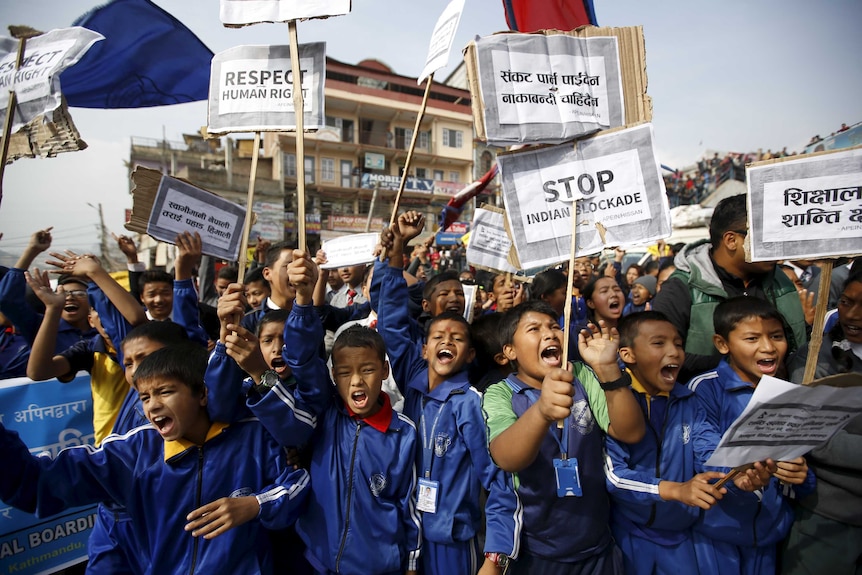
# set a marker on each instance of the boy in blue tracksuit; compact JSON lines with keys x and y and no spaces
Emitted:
{"x":560,"y":475}
{"x":453,"y":459}
{"x":362,"y":515}
{"x":656,"y":496}
{"x":739,"y":535}
{"x":184,"y":479}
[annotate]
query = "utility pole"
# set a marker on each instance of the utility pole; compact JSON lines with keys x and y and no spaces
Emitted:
{"x":104,"y":256}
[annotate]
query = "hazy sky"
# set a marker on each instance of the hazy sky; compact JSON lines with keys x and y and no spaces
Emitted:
{"x":725,"y":75}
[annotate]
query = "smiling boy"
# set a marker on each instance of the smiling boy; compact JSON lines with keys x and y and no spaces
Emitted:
{"x":742,"y":531}
{"x":559,"y":469}
{"x":656,"y":494}
{"x":453,"y":460}
{"x":209,"y":479}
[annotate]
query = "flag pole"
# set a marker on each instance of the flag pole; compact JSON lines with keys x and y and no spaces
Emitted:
{"x":819,"y":320}
{"x":249,"y":203}
{"x":299,"y":112}
{"x":22,"y":33}
{"x":567,"y":312}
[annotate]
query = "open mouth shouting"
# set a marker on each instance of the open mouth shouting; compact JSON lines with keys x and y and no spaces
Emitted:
{"x":768,"y":366}
{"x":278,"y":365}
{"x":445,"y":356}
{"x":358,"y":400}
{"x":164,"y":424}
{"x":669,"y":373}
{"x":552,"y":355}
{"x":71,"y":307}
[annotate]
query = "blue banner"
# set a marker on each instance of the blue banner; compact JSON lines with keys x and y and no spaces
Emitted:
{"x":838,"y":141}
{"x":49,"y":416}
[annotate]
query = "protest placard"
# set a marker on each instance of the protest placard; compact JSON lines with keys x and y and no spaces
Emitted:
{"x":251,"y":89}
{"x":181,"y":207}
{"x":553,"y":86}
{"x":350,"y":250}
{"x":612,"y":179}
{"x":783,"y":420}
{"x":489,"y":243}
{"x":441,"y":39}
{"x":49,"y":416}
{"x":36,"y":82}
{"x":806,"y":208}
{"x":234,"y":13}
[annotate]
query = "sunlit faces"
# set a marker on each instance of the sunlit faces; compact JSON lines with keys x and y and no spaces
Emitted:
{"x":158,"y":298}
{"x":502,"y":286}
{"x":448,"y":349}
{"x":850,"y":311}
{"x":359,"y":373}
{"x":447,"y":296}
{"x":276,"y":275}
{"x":655,"y":356}
{"x":256,"y":293}
{"x":271,"y":343}
{"x":631,"y":275}
{"x":756,"y":347}
{"x":584,"y":267}
{"x":76,"y":307}
{"x":352,"y":275}
{"x":174,"y":409}
{"x":134,"y":352}
{"x":640,"y":294}
{"x":607,"y":300}
{"x":536,"y":348}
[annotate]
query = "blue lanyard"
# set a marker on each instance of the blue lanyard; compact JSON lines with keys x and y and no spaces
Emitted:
{"x":428,"y":442}
{"x":561,"y":436}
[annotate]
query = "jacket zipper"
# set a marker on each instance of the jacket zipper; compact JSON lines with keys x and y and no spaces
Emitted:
{"x":349,"y":499}
{"x":197,"y":505}
{"x":756,"y":513}
{"x":658,"y":442}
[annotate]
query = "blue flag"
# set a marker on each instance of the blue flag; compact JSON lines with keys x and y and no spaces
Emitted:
{"x":148,"y":58}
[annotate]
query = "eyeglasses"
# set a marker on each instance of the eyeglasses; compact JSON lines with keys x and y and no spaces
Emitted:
{"x":79,"y":293}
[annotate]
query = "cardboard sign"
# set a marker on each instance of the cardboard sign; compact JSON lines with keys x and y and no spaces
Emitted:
{"x":552,"y":87}
{"x":489,"y":243}
{"x":251,"y":89}
{"x":181,"y":207}
{"x":806,"y":208}
{"x":783,"y":420}
{"x":441,"y":39}
{"x":49,"y":416}
{"x":244,"y":12}
{"x":611,"y":179}
{"x":350,"y":250}
{"x":37,"y":82}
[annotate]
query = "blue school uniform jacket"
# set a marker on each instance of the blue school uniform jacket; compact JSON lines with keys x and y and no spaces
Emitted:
{"x":740,"y":518}
{"x":361,"y":516}
{"x":453,"y":439}
{"x":666,"y":453}
{"x":159,"y":483}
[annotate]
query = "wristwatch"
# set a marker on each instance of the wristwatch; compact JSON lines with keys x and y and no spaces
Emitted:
{"x":499,"y":559}
{"x":268,"y":380}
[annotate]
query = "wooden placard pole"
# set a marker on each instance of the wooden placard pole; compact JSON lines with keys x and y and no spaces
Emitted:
{"x":299,"y":112}
{"x":10,"y":111}
{"x":404,"y":175}
{"x":819,"y":321}
{"x":249,"y":204}
{"x":567,"y":312}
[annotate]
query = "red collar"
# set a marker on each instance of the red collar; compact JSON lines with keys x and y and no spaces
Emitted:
{"x":380,"y":420}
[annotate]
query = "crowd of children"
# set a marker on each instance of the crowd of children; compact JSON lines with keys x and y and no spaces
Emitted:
{"x":354,"y":421}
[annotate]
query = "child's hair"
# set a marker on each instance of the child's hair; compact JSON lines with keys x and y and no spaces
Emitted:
{"x":668,"y":263}
{"x":485,"y":335}
{"x":163,"y":332}
{"x":729,"y":313}
{"x":650,"y":267}
{"x":154,"y":276}
{"x":272,"y":316}
{"x":488,"y":282}
{"x":511,"y":319}
{"x":844,"y":357}
{"x":447,"y":315}
{"x":274,"y":252}
{"x":636,"y":267}
{"x":185,"y":362}
{"x":230,"y":273}
{"x":431,"y":284}
{"x":255,"y":275}
{"x":730,"y":214}
{"x":360,"y":336}
{"x":630,"y":325}
{"x":547,"y":282}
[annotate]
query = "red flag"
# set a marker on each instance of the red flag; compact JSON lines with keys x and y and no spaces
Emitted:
{"x":532,"y":15}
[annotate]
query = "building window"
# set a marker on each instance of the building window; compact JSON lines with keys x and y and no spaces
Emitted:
{"x":453,"y":138}
{"x":309,"y":169}
{"x":290,"y":165}
{"x":403,"y":137}
{"x":327,"y":169}
{"x":438,"y":175}
{"x":485,"y":162}
{"x":421,"y":173}
{"x":346,"y":174}
{"x":454,"y":176}
{"x":424,"y":141}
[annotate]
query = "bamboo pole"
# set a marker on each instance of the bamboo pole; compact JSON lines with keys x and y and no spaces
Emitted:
{"x":819,"y":320}
{"x":249,"y":203}
{"x":10,"y":112}
{"x":299,"y":112}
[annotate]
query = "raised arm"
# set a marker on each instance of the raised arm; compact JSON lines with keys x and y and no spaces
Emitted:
{"x":13,"y":287}
{"x":185,"y":308}
{"x":43,"y":364}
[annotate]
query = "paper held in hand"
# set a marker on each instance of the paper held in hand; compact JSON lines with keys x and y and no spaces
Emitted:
{"x":441,"y":39}
{"x":489,"y":243}
{"x":350,"y":250}
{"x":783,"y":420}
{"x":237,"y":13}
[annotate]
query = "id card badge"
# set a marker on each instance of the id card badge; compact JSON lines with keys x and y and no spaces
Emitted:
{"x":568,"y":480}
{"x":427,"y":500}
